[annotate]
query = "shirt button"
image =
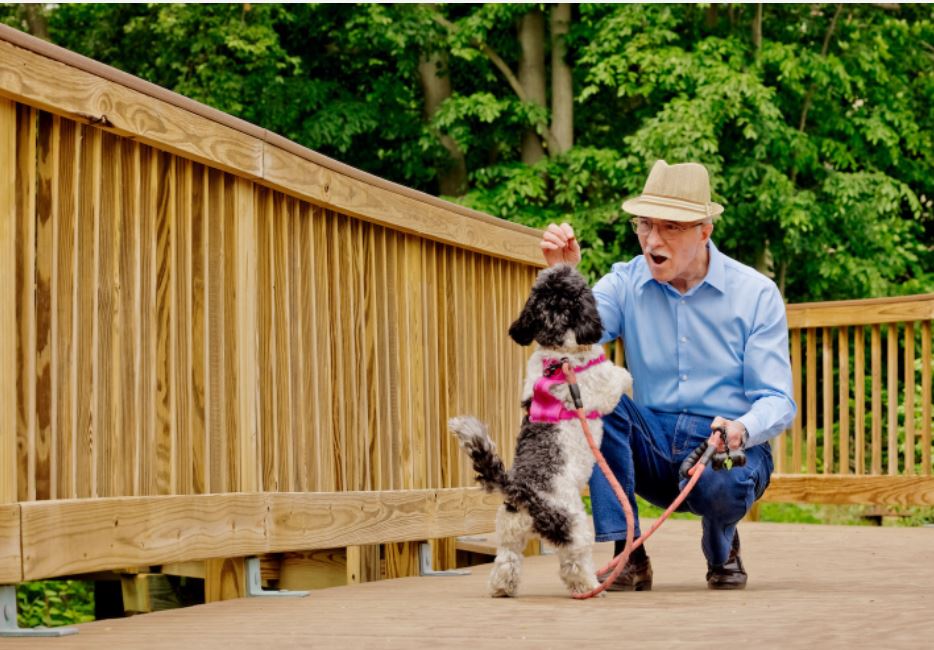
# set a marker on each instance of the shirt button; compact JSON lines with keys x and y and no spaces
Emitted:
{"x":684,"y":410}
{"x":684,"y":339}
{"x":684,"y":377}
{"x":683,"y":302}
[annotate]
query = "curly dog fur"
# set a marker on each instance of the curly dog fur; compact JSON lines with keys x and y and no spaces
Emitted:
{"x":553,"y":461}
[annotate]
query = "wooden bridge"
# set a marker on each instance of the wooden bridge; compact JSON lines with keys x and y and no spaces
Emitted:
{"x":810,"y":586}
{"x":216,"y":344}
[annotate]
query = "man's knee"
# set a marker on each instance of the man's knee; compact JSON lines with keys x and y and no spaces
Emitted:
{"x":724,"y":495}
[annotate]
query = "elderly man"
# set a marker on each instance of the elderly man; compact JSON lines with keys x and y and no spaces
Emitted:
{"x":706,"y":341}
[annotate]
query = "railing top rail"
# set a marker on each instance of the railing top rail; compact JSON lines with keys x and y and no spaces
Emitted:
{"x":523,"y":247}
{"x":872,"y":311}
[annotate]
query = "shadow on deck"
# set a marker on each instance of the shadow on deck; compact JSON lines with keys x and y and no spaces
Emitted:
{"x":810,"y":586}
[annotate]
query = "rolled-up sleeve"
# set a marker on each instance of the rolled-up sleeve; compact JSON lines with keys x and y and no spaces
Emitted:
{"x":767,"y":372}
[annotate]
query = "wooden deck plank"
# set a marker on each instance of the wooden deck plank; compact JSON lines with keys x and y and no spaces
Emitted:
{"x":803,"y":593}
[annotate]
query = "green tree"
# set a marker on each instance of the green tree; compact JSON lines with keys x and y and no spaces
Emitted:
{"x":814,"y":120}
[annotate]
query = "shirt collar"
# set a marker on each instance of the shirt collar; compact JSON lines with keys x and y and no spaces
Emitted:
{"x":716,"y":271}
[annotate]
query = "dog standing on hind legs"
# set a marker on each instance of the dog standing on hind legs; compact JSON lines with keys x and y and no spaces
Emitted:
{"x":553,"y":461}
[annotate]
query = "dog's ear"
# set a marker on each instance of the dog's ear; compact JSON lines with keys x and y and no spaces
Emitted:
{"x":524,"y":328}
{"x":589,"y":328}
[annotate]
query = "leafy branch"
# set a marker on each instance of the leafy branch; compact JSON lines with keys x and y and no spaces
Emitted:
{"x":541,"y":125}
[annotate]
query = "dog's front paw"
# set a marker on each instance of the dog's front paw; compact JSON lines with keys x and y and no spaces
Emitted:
{"x":579,"y":587}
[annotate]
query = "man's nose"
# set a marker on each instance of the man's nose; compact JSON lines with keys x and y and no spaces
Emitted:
{"x":654,"y":239}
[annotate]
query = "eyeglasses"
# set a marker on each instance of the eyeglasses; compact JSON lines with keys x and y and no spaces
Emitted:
{"x":666,"y":229}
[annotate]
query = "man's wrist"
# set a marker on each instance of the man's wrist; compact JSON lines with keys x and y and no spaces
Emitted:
{"x":747,"y":434}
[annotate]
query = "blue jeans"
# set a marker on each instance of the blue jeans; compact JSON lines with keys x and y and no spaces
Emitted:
{"x":645,"y":448}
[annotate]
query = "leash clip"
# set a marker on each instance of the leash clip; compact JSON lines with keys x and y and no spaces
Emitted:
{"x":731,"y":457}
{"x":554,"y":367}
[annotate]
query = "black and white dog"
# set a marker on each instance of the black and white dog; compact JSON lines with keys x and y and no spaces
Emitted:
{"x":553,"y":461}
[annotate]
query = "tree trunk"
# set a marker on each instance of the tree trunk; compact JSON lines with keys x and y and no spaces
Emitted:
{"x":436,"y":87}
{"x":34,"y":17}
{"x":764,"y":261}
{"x":562,"y":85}
{"x":711,"y":18}
{"x":532,"y":77}
{"x":757,"y":29}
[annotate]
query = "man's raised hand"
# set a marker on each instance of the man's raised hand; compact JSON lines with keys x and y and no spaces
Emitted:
{"x":560,"y":246}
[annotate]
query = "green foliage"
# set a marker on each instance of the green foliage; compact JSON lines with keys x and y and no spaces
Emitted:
{"x":809,"y":513}
{"x":820,"y":140}
{"x":52,"y":603}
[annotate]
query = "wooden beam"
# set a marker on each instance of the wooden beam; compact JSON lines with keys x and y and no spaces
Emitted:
{"x":331,"y":520}
{"x":843,"y":490}
{"x":186,"y":569}
{"x":314,"y":569}
{"x":11,"y":563}
{"x":313,"y":182}
{"x":76,"y":536}
{"x":861,"y":312}
{"x":65,"y":90}
{"x":65,"y":84}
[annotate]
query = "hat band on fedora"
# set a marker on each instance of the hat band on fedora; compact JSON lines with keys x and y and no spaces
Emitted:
{"x":672,"y":202}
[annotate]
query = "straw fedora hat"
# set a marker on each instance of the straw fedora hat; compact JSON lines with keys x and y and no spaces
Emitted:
{"x":675,"y":193}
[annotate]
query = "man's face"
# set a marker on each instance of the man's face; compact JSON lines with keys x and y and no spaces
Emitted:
{"x":674,"y":251}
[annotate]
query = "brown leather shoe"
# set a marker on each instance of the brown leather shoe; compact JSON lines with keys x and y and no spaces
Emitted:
{"x":635,"y":576}
{"x":730,"y":574}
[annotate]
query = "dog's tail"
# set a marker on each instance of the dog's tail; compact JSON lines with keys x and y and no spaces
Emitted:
{"x":473,"y":437}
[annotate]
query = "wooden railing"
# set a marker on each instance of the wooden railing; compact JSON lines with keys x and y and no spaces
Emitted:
{"x":862,"y":380}
{"x":190,"y":305}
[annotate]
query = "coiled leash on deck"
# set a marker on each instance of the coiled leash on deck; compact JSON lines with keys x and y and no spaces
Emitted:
{"x":693,"y":466}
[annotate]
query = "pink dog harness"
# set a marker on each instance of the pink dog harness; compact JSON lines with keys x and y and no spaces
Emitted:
{"x":545,"y":406}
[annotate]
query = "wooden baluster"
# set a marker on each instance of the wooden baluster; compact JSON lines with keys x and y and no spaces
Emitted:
{"x":892,"y":389}
{"x":909,"y":398}
{"x":8,"y":264}
{"x":844,"y":398}
{"x":926,"y":396}
{"x":796,"y":381}
{"x":859,"y":397}
{"x":812,"y":400}
{"x":876,"y":353}
{"x":827,"y":361}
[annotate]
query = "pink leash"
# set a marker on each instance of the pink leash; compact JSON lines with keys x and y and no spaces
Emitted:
{"x":618,"y":563}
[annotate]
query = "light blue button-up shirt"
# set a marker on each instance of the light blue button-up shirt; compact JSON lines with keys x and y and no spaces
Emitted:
{"x":719,"y":349}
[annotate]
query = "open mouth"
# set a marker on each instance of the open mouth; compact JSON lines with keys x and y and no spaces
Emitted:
{"x":658,"y":259}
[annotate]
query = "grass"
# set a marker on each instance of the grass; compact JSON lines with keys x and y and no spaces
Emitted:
{"x":806,"y":513}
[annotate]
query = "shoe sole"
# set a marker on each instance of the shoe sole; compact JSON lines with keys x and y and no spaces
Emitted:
{"x":725,"y":586}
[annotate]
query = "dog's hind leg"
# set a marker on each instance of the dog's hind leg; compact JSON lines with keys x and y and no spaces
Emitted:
{"x":512,"y":528}
{"x":577,"y":569}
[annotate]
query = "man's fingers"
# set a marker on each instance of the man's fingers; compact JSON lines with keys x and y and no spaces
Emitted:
{"x":557,"y":239}
{"x":559,"y":245}
{"x":556,"y":235}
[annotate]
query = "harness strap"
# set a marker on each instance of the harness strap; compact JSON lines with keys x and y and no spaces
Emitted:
{"x":545,"y":406}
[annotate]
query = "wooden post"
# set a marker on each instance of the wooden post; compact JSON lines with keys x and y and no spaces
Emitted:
{"x":7,"y":302}
{"x":363,"y":564}
{"x":401,"y":560}
{"x":224,"y":579}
